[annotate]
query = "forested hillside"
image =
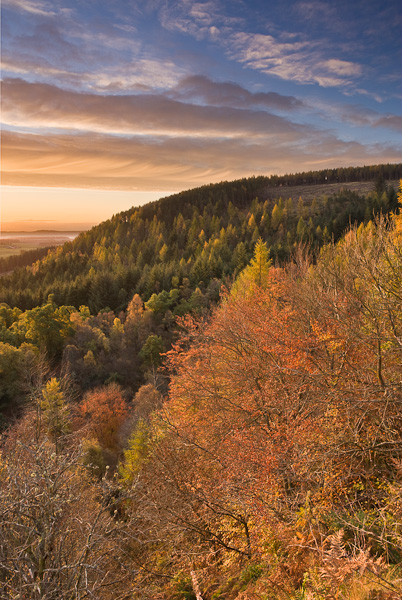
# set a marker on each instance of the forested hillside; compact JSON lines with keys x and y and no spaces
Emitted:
{"x":23,"y":259}
{"x":104,"y":306}
{"x":270,"y":467}
{"x":202,"y":397}
{"x":194,"y":238}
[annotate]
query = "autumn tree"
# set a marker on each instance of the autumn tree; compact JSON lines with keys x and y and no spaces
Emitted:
{"x":286,"y":403}
{"x":256,"y":273}
{"x":47,"y":327}
{"x":54,"y":410}
{"x":104,"y":411}
{"x":57,"y":538}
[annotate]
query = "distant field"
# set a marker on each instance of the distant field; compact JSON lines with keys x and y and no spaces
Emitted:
{"x":16,"y":247}
{"x":309,"y":192}
{"x":11,"y":244}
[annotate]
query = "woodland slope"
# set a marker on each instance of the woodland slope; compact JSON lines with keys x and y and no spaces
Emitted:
{"x":233,"y":434}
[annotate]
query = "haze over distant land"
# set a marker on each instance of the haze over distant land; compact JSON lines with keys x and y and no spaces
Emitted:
{"x":35,"y":226}
{"x":109,"y":105}
{"x":32,"y":208}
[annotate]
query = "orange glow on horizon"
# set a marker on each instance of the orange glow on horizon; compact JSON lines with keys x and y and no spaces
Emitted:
{"x":31,"y":208}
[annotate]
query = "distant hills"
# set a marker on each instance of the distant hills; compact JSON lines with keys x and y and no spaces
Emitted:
{"x":57,"y":232}
{"x":35,"y":227}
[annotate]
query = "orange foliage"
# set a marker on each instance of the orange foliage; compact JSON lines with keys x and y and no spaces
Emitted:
{"x":237,"y":397}
{"x":284,"y":389}
{"x":104,"y":410}
{"x":284,"y":418}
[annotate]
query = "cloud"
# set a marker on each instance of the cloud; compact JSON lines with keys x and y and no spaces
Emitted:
{"x":199,"y":19}
{"x":28,"y":65}
{"x":142,"y":75}
{"x":198,"y":87}
{"x":318,"y":14}
{"x":69,"y":42}
{"x":393,"y":122}
{"x":360,"y":116}
{"x":67,"y":51}
{"x":187,"y":17}
{"x":30,"y":6}
{"x":48,"y":40}
{"x":110,"y":162}
{"x":149,"y":141}
{"x":299,"y":61}
{"x":342,"y":67}
{"x":290,"y":56}
{"x":43,"y":105}
{"x":73,"y":41}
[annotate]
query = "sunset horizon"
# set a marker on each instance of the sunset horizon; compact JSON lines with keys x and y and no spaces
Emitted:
{"x":107,"y":106}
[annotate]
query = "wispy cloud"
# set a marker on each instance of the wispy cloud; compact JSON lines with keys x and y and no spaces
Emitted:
{"x":117,"y":99}
{"x":199,"y":19}
{"x":291,"y":56}
{"x":187,"y":17}
{"x":144,"y":74}
{"x":393,"y":122}
{"x":300,"y":61}
{"x":42,"y":105}
{"x":98,"y":52}
{"x":143,"y":162}
{"x":226,"y":93}
{"x":48,"y":41}
{"x":360,"y":116}
{"x":30,"y":6}
{"x":318,"y":14}
{"x":342,"y":67}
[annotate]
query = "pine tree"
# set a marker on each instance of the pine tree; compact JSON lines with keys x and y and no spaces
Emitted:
{"x":256,"y":273}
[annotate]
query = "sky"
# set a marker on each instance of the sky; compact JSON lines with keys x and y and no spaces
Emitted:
{"x":106,"y":105}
